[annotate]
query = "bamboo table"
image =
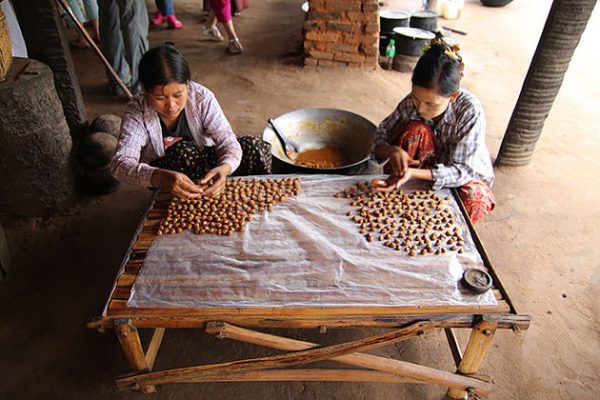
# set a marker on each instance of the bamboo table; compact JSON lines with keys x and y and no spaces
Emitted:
{"x":238,"y":323}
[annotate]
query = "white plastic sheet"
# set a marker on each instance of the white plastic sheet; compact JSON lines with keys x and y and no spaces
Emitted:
{"x":306,"y":252}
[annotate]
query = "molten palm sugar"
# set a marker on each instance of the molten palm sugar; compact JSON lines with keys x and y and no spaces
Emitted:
{"x":329,"y":156}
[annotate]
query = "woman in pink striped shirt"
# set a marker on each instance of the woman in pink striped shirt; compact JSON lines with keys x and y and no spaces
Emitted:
{"x":175,"y":133}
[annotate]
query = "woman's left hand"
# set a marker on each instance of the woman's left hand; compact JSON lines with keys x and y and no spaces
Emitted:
{"x":215,"y":179}
{"x":394,"y":182}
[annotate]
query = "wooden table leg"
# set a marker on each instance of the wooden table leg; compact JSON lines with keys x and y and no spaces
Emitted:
{"x":132,"y":347}
{"x":479,"y":343}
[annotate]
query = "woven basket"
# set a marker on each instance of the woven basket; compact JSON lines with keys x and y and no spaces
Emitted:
{"x":5,"y":47}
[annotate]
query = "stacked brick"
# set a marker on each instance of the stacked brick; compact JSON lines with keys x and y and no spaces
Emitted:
{"x":342,"y":33}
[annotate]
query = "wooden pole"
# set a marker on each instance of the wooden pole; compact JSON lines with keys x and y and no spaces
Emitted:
{"x":479,"y":343}
{"x":412,"y":372}
{"x":132,"y":347}
{"x":278,"y":361}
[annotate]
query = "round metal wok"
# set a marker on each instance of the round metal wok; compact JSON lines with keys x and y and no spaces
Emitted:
{"x":315,"y":128}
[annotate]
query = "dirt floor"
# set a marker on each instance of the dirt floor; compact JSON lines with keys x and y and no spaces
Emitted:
{"x":542,"y":238}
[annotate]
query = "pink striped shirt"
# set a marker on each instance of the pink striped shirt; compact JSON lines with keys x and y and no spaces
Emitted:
{"x":141,"y":142}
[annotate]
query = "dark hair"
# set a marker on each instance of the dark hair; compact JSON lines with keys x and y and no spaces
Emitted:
{"x":440,"y":67}
{"x":162,"y":65}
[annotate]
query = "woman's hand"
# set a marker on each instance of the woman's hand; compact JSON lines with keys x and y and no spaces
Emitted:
{"x":393,"y":182}
{"x":176,"y":183}
{"x":215,"y":179}
{"x":400,"y":161}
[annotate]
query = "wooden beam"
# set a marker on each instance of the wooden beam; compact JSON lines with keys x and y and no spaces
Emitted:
{"x":153,"y":347}
{"x":278,"y":361}
{"x":312,"y":374}
{"x":412,"y":372}
{"x":454,"y":346}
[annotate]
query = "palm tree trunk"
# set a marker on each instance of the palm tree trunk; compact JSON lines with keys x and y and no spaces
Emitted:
{"x":566,"y":22}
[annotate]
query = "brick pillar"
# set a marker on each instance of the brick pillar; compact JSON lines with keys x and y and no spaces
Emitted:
{"x":342,"y":33}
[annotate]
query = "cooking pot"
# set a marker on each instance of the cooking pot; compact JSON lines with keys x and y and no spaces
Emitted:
{"x":426,"y":20}
{"x":390,"y":19}
{"x":315,"y":128}
{"x":495,"y":3}
{"x":410,"y":41}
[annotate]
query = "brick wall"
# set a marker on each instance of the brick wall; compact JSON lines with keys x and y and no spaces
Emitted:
{"x":342,"y":33}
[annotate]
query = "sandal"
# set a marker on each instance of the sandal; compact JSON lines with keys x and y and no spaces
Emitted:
{"x":234,"y":46}
{"x":157,"y":19}
{"x":213,"y":34}
{"x":173,"y":22}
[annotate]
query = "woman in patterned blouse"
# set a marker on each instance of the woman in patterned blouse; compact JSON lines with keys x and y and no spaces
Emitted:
{"x":437,"y":133}
{"x":175,"y":133}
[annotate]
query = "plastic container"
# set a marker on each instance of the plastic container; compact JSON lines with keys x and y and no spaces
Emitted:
{"x":452,"y":9}
{"x":390,"y":53}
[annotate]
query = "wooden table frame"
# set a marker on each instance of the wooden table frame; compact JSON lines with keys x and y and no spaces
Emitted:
{"x":234,"y":323}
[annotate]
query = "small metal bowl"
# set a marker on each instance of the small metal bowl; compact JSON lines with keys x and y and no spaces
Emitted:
{"x":315,"y":128}
{"x":477,"y":280}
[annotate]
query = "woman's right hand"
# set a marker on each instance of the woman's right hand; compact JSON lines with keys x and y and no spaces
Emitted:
{"x":176,"y":183}
{"x":400,"y":161}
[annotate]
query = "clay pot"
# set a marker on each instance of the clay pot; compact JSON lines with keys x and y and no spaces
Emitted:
{"x":100,"y":181}
{"x":97,"y":149}
{"x":108,"y":123}
{"x":5,"y":47}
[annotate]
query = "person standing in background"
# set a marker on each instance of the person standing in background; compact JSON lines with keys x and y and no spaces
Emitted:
{"x":221,"y":12}
{"x":166,"y":12}
{"x":89,"y":13}
{"x":124,"y":39}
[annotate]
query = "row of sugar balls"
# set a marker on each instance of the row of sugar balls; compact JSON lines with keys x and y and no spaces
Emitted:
{"x":228,"y":212}
{"x":418,"y":223}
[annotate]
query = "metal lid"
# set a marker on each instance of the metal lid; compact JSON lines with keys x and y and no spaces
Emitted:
{"x":424,"y":14}
{"x":394,"y":14}
{"x":414,"y":33}
{"x":477,"y":280}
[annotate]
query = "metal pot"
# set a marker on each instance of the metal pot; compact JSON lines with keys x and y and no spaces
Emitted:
{"x":426,"y":20}
{"x":410,"y":41}
{"x":314,"y":128}
{"x":390,"y":19}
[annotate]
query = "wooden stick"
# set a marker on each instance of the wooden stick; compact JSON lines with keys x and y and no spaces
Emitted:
{"x":132,"y":347}
{"x":278,"y":361}
{"x":153,"y":347}
{"x":413,"y":372}
{"x":479,"y":343}
{"x":313,"y":374}
{"x":454,"y":346}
